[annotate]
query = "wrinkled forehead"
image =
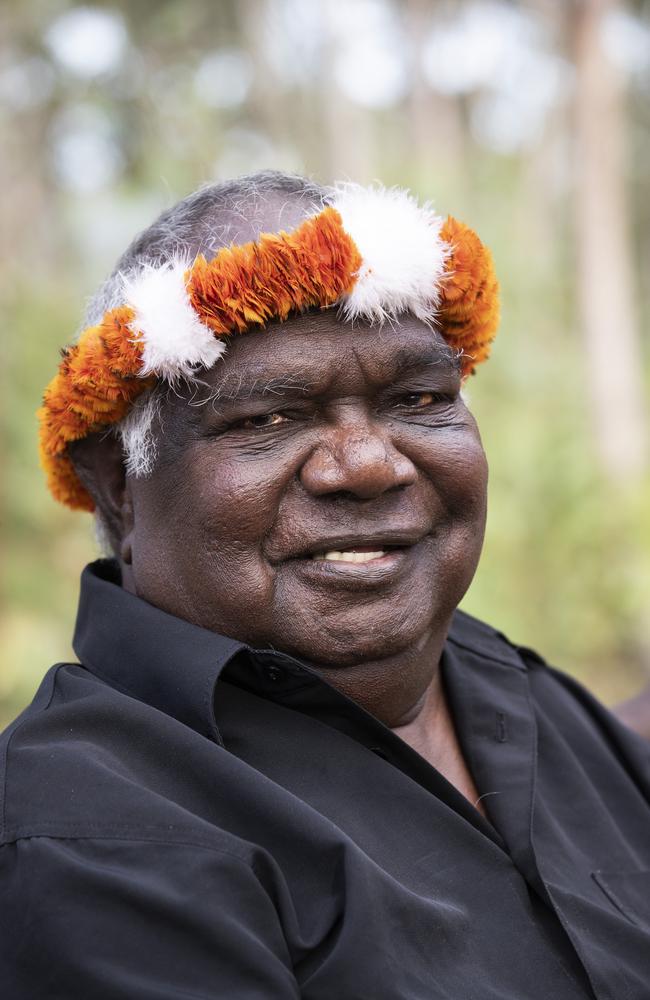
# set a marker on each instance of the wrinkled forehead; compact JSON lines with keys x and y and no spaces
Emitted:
{"x":319,"y":352}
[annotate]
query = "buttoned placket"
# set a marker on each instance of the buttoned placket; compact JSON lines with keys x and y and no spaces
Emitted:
{"x":286,"y":681}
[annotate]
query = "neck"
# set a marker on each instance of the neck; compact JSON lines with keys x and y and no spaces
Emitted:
{"x":428,"y":728}
{"x":395,"y":689}
{"x":406,"y":693}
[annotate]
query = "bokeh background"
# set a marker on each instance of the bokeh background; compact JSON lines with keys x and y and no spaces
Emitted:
{"x":530,"y":120}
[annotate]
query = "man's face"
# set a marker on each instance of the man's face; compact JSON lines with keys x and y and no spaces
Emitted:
{"x":324,"y":494}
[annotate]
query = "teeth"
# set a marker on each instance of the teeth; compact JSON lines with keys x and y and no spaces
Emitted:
{"x":350,"y":556}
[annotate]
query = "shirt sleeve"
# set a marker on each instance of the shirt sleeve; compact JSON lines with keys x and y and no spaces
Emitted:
{"x":630,"y":749}
{"x":119,"y":919}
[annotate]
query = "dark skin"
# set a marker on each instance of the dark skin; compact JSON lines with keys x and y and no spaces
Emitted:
{"x":313,"y":437}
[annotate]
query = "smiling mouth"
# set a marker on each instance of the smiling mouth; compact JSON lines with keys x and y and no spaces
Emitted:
{"x":378,"y":557}
{"x":362,"y":564}
{"x":359,"y":554}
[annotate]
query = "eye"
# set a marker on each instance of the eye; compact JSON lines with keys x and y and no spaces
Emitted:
{"x":262,"y":420}
{"x":417,"y":400}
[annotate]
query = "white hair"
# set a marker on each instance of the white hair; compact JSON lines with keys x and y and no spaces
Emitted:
{"x":202,"y":223}
{"x":400,"y":242}
{"x":137,"y":435}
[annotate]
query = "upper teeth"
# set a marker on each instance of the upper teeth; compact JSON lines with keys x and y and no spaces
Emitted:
{"x":349,"y":556}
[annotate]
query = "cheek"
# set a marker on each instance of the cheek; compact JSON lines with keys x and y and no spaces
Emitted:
{"x":201,"y":521}
{"x":457,"y":471}
{"x":466,"y":491}
{"x":235,"y":501}
{"x":454,"y":465}
{"x":464,"y":480}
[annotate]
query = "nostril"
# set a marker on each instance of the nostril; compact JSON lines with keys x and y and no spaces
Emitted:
{"x":360,"y":466}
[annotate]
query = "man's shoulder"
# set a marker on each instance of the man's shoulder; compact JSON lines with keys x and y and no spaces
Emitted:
{"x":561,"y":703}
{"x":85,"y":759}
{"x":484,"y":640}
{"x":483,"y":645}
{"x":476,"y":636}
{"x":546,"y":682}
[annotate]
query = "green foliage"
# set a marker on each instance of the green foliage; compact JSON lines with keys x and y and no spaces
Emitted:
{"x":567,"y":557}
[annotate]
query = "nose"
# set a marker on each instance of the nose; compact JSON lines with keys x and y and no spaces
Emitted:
{"x":356,"y":459}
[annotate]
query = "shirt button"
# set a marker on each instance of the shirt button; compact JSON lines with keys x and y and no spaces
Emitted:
{"x":274,"y":674}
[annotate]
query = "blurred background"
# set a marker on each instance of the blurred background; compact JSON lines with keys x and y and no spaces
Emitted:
{"x":529,"y":120}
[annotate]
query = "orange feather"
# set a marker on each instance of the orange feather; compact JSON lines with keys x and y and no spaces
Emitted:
{"x":242,"y":287}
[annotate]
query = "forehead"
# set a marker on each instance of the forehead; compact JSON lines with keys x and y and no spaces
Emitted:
{"x":318,"y":349}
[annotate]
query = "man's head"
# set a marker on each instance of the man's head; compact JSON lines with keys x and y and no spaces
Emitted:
{"x":215,"y":216}
{"x":320,"y":489}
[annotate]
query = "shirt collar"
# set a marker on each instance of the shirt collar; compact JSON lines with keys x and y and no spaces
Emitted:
{"x":474,"y":636}
{"x":173,"y":666}
{"x":146,"y":653}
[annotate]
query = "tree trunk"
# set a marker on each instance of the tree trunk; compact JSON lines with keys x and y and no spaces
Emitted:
{"x":613,"y":358}
{"x":435,"y":127}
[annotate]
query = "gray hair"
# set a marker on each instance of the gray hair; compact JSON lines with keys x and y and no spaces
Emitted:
{"x":204,"y":222}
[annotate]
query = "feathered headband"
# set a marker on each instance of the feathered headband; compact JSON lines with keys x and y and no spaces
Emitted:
{"x":374,"y":252}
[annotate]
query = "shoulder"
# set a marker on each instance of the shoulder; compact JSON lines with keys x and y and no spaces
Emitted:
{"x":477,"y":637}
{"x":561,"y":704}
{"x":97,"y":916}
{"x":86,"y":760}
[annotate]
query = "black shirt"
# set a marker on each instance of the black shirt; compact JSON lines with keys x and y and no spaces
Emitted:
{"x":185,"y":817}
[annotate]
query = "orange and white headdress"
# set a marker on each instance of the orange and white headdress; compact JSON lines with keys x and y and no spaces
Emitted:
{"x":373,"y":252}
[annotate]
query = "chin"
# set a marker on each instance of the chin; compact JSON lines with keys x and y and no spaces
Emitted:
{"x":352,"y":638}
{"x":338,"y":615}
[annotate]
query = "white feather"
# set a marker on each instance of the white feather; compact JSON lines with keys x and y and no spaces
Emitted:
{"x":403,"y":254}
{"x":175,"y":341}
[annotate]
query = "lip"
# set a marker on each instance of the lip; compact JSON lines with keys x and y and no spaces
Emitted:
{"x":405,"y":551}
{"x":390,"y":539}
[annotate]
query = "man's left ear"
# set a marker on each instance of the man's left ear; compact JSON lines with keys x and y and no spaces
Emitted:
{"x":99,"y":462}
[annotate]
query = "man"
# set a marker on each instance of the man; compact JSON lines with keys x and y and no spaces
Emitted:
{"x":286,"y":766}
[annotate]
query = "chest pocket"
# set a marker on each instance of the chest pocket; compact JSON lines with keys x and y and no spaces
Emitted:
{"x":630,"y":894}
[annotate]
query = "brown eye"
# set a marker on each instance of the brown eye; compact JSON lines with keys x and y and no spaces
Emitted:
{"x":262,"y":420}
{"x":419,"y":399}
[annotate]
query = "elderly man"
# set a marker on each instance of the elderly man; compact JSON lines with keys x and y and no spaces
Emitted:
{"x":285,"y":765}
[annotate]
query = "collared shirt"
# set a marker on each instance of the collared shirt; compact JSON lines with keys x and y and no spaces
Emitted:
{"x":186,"y":817}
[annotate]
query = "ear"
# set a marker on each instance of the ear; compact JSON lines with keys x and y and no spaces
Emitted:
{"x":99,"y":462}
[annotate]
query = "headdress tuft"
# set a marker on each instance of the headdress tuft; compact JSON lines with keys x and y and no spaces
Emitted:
{"x":375,"y":252}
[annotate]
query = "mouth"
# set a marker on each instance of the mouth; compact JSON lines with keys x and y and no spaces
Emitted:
{"x":368,"y":561}
{"x":358,"y":548}
{"x":360,"y":554}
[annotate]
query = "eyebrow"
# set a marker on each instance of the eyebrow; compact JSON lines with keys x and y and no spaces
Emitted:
{"x":432,"y":357}
{"x":257,"y":386}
